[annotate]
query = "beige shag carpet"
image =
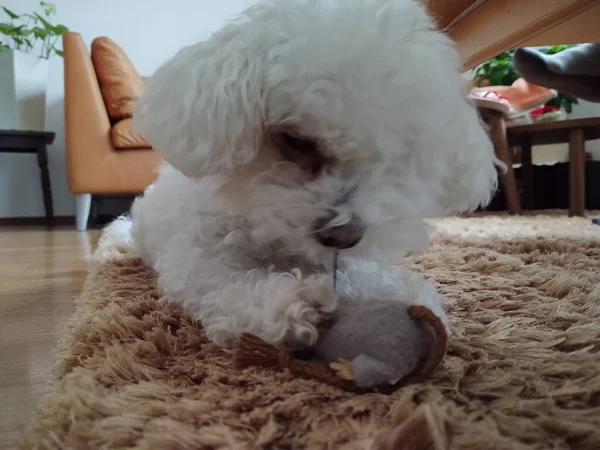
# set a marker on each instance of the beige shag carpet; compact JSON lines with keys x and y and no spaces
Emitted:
{"x":522,"y":370}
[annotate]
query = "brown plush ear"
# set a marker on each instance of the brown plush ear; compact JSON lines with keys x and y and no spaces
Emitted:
{"x":434,"y":325}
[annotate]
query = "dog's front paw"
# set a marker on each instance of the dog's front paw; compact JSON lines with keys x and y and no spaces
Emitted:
{"x":318,"y":292}
{"x":315,"y":303}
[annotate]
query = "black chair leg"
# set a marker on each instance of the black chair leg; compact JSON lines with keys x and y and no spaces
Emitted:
{"x":42,"y":156}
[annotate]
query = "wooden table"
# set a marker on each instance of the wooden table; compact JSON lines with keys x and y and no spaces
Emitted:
{"x":574,"y":132}
{"x":16,"y":141}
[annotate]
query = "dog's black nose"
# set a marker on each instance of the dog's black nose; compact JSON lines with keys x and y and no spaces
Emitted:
{"x":341,"y":236}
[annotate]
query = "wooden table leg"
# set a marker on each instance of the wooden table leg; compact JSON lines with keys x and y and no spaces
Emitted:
{"x":527,"y":173}
{"x":577,"y":173}
{"x":498,"y":133}
{"x":42,"y":156}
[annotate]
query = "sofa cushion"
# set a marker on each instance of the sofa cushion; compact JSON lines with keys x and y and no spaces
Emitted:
{"x":120,"y":83}
{"x":124,"y":138}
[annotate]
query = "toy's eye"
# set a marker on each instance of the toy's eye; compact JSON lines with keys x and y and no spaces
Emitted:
{"x":301,"y":150}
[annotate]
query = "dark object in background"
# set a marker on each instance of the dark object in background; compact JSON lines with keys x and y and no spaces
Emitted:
{"x":551,"y":187}
{"x":575,"y":71}
{"x":20,"y":141}
{"x":106,"y":208}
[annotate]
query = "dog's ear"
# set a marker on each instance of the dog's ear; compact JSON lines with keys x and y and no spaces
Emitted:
{"x":455,"y":157}
{"x":460,"y":160}
{"x":472,"y":176}
{"x":203,"y":110}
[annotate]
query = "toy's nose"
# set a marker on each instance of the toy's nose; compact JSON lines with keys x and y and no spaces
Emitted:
{"x":340,"y":236}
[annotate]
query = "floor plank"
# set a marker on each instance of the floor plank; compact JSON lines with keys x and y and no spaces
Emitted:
{"x":40,"y":274}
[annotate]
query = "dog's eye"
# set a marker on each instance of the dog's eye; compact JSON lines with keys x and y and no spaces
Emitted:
{"x":301,"y":145}
{"x":301,"y":150}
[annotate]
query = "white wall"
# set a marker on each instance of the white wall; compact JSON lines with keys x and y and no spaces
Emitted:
{"x":150,"y":31}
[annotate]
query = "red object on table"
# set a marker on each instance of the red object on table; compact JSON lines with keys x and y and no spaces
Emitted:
{"x":540,"y":111}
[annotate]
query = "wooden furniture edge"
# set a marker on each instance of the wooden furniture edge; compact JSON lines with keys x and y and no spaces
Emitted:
{"x":494,"y":26}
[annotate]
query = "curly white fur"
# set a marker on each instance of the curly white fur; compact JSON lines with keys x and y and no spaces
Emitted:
{"x":228,"y":224}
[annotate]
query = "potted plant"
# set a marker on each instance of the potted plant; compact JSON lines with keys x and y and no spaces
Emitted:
{"x":27,"y":42}
{"x":500,"y":71}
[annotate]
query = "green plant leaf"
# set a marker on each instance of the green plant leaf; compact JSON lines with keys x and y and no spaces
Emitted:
{"x":40,"y":33}
{"x":10,"y":14}
{"x":509,"y":78}
{"x":32,"y":30}
{"x":49,"y":8}
{"x":498,"y":71}
{"x":13,"y":32}
{"x":555,"y":49}
{"x":569,"y":108}
{"x":59,"y":30}
{"x":5,"y":28}
{"x":497,"y":76}
{"x":59,"y":53}
{"x":564,"y":101}
{"x":46,"y":24}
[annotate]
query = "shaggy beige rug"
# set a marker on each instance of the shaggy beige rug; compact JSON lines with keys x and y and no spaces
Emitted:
{"x":522,"y":370}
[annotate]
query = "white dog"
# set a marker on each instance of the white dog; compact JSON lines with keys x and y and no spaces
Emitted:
{"x":304,"y":128}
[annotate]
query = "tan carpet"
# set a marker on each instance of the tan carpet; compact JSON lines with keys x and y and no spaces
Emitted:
{"x":523,"y":369}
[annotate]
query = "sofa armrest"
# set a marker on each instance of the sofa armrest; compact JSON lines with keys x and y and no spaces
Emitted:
{"x":87,"y":125}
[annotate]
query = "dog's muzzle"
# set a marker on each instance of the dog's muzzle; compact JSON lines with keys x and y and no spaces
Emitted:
{"x":342,"y":236}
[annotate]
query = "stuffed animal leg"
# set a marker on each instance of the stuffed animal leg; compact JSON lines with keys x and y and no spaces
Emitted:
{"x":367,"y":371}
{"x":575,"y":71}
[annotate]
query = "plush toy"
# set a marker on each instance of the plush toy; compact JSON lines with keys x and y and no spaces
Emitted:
{"x":574,"y":71}
{"x":375,"y":345}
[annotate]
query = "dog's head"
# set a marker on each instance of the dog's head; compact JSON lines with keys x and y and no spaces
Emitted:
{"x":331,"y":124}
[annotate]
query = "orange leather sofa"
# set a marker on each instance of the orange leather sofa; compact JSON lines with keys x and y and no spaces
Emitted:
{"x":104,"y":155}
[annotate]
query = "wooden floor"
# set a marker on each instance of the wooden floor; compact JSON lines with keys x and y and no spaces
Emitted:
{"x":40,"y":273}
